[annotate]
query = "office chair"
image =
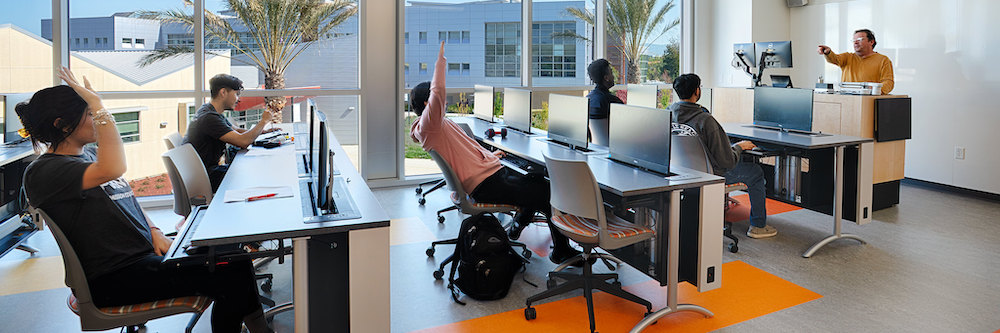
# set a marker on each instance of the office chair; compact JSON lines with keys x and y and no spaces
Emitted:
{"x":191,"y":187}
{"x":173,"y":140}
{"x":468,"y":131}
{"x":599,"y":131}
{"x":689,"y":152}
{"x":466,"y":205}
{"x":93,"y":318}
{"x":578,"y":212}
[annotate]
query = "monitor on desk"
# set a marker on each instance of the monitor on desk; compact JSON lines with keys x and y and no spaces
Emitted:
{"x":640,"y":136}
{"x":642,"y":95}
{"x":568,"y":120}
{"x":783,"y":108}
{"x":517,"y":109}
{"x":779,"y":54}
{"x":320,"y":168}
{"x":10,"y":121}
{"x":482,"y":107}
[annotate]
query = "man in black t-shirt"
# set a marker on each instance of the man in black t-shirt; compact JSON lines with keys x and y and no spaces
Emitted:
{"x":209,"y":132}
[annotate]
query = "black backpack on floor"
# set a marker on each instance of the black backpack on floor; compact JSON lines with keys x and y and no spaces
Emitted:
{"x":484,"y":259}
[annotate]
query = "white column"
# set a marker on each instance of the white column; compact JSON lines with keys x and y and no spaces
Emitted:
{"x":381,"y":109}
{"x":526,"y":43}
{"x":199,"y":52}
{"x":60,"y":38}
{"x":600,"y":29}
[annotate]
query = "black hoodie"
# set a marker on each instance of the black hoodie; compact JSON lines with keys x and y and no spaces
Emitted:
{"x":694,"y":120}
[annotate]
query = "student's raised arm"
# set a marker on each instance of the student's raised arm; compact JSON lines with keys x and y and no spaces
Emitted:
{"x":434,"y":112}
{"x":110,"y":162}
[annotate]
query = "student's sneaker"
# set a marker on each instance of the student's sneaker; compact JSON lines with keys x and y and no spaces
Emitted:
{"x":765,"y":232}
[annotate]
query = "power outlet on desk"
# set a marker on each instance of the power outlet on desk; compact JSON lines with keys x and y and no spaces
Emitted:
{"x":959,"y":153}
{"x":711,"y":275}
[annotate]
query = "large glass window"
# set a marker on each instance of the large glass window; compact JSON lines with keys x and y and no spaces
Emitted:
{"x":642,"y":48}
{"x":127,"y":121}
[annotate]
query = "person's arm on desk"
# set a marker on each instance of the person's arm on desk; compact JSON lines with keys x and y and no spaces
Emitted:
{"x":246,"y":138}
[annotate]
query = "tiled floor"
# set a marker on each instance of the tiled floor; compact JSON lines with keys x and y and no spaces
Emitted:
{"x":931,"y":265}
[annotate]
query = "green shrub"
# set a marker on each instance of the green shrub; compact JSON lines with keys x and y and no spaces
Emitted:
{"x":540,"y":117}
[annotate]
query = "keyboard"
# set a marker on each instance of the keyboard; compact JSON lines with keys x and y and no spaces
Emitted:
{"x":521,"y":165}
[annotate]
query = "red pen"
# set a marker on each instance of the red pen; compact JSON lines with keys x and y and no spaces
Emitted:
{"x":259,"y":197}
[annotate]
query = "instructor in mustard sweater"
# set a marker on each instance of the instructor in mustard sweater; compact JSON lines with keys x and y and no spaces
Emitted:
{"x":864,"y":65}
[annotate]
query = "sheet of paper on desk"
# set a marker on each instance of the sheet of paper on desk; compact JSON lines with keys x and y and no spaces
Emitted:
{"x":244,"y":194}
{"x":258,"y":152}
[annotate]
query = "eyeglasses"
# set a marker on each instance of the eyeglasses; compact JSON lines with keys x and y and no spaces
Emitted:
{"x":859,"y":40}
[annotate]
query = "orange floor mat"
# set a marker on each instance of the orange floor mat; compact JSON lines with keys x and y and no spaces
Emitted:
{"x":741,"y":212}
{"x":736,"y":301}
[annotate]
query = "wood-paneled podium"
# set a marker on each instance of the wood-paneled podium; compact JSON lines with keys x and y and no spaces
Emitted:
{"x":853,"y":115}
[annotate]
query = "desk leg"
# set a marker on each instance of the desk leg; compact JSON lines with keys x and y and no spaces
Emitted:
{"x":838,"y":205}
{"x":672,"y":212}
{"x":300,"y":283}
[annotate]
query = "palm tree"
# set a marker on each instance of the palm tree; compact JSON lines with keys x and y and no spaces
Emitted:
{"x":634,"y":22}
{"x":281,"y":30}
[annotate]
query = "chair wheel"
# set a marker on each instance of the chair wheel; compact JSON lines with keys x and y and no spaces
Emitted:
{"x":529,"y":313}
{"x":421,"y":201}
{"x":266,"y":286}
{"x":440,"y":219}
{"x":617,"y":284}
{"x":419,"y":190}
{"x":430,"y":252}
{"x":526,"y":254}
{"x":733,"y":248}
{"x":438,"y":274}
{"x":550,"y":283}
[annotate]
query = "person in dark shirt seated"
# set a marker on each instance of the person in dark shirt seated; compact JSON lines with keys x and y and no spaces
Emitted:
{"x":210,"y":131}
{"x":601,"y":97}
{"x":694,"y":120}
{"x":81,"y":187}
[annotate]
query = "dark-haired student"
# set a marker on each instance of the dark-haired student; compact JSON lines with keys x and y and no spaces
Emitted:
{"x":210,"y":131}
{"x":82,"y":189}
{"x":692,"y":119}
{"x":480,"y":171}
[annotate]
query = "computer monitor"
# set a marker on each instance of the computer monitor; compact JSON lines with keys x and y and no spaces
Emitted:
{"x":517,"y":109}
{"x":642,"y":95}
{"x":483,"y":103}
{"x":746,"y":52}
{"x":640,"y":136}
{"x":321,"y":166}
{"x":781,"y":81}
{"x":9,"y":119}
{"x":783,"y":108}
{"x":568,"y":120}
{"x":779,"y":54}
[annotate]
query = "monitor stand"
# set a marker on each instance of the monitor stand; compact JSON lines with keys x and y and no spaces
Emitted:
{"x":569,"y":146}
{"x":787,"y":130}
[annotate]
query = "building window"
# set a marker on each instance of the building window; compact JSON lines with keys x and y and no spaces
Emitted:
{"x":465,"y":69}
{"x":454,"y":68}
{"x":128,"y":125}
{"x":454,"y":37}
{"x":104,"y":41}
{"x":76,"y":41}
{"x":139,"y":43}
{"x":127,"y":43}
{"x":86,"y":42}
{"x":180,"y":39}
{"x":442,"y":36}
{"x":553,"y":56}
{"x":406,"y":38}
{"x":466,"y":37}
{"x":502,"y":49}
{"x":406,"y":68}
{"x":423,"y":68}
{"x":423,"y":37}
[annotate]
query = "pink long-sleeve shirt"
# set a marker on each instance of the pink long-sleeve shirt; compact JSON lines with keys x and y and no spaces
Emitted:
{"x":470,"y":161}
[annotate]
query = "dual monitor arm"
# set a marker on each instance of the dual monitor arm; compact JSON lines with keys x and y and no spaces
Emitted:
{"x":740,"y":62}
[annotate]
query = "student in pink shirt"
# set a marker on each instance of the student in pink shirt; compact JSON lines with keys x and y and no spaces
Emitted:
{"x":480,"y":171}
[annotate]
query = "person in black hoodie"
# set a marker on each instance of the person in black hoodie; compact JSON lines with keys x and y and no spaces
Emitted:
{"x":691,"y":119}
{"x":601,"y":97}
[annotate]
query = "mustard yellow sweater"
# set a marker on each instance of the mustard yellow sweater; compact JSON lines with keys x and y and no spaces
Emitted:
{"x":873,"y":68}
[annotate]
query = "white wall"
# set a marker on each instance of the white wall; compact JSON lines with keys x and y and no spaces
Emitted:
{"x":943,"y":54}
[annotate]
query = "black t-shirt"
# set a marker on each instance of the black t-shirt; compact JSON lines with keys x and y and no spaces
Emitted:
{"x":600,"y":103}
{"x":104,"y":224}
{"x":205,"y":133}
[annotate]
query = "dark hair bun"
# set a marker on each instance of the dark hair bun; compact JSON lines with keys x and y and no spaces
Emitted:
{"x":39,"y":113}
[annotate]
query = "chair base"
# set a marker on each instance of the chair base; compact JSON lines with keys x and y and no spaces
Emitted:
{"x":439,"y":273}
{"x":588,"y":281}
{"x":727,"y":230}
